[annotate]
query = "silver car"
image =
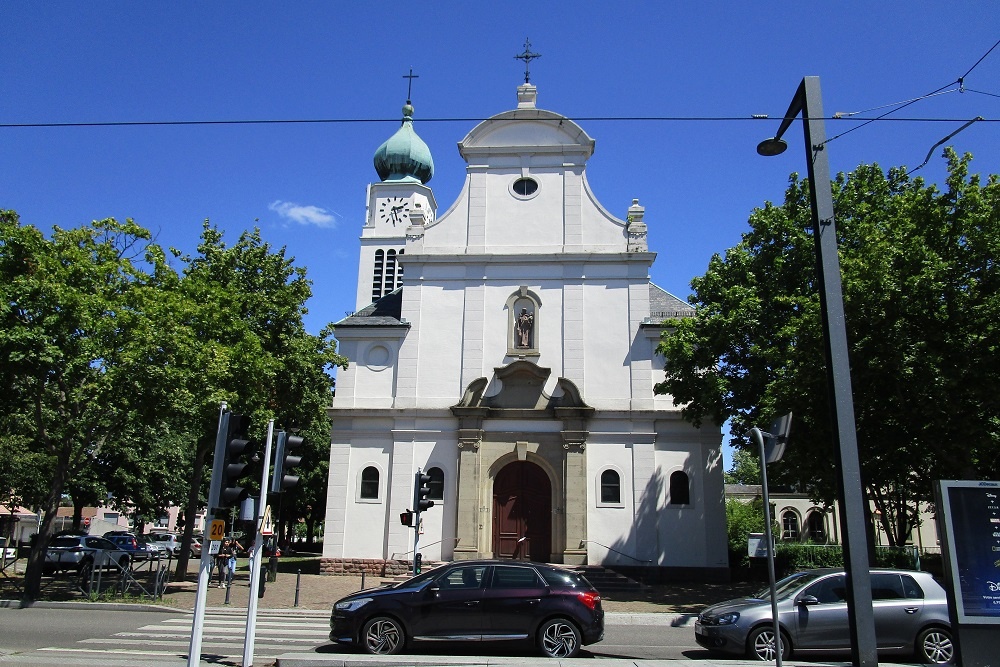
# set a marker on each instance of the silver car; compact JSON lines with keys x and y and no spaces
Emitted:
{"x":911,"y":617}
{"x":84,"y":552}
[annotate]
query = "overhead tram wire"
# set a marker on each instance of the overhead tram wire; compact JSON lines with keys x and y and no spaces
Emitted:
{"x":304,"y":121}
{"x":902,"y":105}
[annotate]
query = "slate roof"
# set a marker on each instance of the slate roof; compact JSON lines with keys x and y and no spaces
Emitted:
{"x":385,"y":312}
{"x":663,"y":305}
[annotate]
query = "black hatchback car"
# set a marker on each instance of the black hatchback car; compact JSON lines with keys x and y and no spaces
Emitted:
{"x":557,"y":609}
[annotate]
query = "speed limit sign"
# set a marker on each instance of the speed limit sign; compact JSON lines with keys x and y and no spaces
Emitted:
{"x":217,"y":530}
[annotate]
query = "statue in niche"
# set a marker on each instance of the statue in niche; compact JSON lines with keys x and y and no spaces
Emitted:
{"x":523,"y":324}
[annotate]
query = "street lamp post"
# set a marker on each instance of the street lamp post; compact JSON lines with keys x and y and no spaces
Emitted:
{"x":808,"y":101}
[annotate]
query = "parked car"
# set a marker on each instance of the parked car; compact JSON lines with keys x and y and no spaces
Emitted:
{"x":7,"y":552}
{"x":82,"y":553}
{"x":126,"y":541}
{"x":156,"y":549}
{"x":556,"y":609}
{"x":172,"y":541}
{"x":910,"y":608}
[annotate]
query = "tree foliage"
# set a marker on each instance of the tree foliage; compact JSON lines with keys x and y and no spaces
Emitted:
{"x":115,"y":364}
{"x":922,"y":307}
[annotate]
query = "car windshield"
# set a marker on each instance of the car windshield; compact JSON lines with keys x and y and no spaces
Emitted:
{"x":65,"y":542}
{"x":788,"y":585}
{"x":419,"y":580}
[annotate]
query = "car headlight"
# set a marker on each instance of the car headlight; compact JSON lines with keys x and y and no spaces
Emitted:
{"x":729,"y":618}
{"x":352,"y":605}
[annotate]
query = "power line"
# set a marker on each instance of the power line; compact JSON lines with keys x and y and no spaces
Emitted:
{"x":588,"y":119}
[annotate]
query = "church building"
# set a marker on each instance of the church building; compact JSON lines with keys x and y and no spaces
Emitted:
{"x":506,"y":347}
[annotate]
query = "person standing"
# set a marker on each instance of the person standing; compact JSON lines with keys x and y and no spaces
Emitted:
{"x":222,"y":562}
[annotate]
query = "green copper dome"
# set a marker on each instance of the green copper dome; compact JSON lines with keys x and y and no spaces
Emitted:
{"x":405,"y":156}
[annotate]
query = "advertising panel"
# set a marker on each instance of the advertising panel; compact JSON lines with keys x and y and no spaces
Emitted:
{"x":970,"y":511}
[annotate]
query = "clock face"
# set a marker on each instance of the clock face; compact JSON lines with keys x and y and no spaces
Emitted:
{"x":395,"y":210}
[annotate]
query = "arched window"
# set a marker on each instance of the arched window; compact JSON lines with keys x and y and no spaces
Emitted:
{"x":790,"y":526}
{"x":680,"y":492}
{"x":436,"y":485}
{"x":815,"y":527}
{"x":369,"y":483}
{"x":611,"y":487}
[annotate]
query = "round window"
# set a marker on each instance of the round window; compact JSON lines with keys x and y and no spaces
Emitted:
{"x":525,"y":187}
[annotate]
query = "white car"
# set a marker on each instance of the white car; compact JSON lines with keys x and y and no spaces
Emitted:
{"x":172,"y":541}
{"x":7,"y":552}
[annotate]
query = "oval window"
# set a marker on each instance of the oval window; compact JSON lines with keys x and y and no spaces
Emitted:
{"x":525,"y":187}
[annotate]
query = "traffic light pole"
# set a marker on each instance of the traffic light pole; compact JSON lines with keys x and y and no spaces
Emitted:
{"x":416,"y":518}
{"x":198,"y":620}
{"x":255,"y":555}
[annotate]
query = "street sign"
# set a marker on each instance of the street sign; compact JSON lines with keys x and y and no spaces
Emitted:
{"x":217,"y":531}
{"x":266,"y":523}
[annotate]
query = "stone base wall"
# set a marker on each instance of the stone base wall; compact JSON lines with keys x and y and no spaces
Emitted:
{"x":379,"y":567}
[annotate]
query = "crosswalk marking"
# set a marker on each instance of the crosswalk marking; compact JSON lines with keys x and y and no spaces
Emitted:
{"x":223,"y":633}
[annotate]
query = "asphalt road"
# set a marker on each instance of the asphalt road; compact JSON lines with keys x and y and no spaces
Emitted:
{"x":98,"y":634}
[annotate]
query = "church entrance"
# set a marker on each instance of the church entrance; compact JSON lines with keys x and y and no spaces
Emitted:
{"x":522,"y":512}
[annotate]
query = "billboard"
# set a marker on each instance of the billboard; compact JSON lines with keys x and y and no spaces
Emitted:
{"x":969,"y":513}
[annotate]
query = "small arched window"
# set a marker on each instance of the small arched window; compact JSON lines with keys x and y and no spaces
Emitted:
{"x":611,"y":487}
{"x":680,"y":492}
{"x":369,"y":483}
{"x":436,"y":485}
{"x":816,"y":528}
{"x":790,"y":526}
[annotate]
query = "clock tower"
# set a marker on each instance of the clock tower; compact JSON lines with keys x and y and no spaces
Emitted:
{"x":399,"y":200}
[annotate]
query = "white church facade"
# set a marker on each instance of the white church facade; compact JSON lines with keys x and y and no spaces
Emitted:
{"x":507,"y":348}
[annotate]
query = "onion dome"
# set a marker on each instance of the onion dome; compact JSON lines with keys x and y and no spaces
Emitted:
{"x":405,"y":156}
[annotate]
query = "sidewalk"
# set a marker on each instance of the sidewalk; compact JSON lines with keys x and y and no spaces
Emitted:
{"x":319,"y":592}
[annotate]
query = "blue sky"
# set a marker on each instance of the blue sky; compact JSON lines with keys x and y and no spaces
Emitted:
{"x":304,"y":184}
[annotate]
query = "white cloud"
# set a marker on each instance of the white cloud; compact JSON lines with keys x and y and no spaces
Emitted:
{"x":304,"y":215}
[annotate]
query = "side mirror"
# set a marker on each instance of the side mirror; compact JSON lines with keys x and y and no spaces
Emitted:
{"x":807,"y":600}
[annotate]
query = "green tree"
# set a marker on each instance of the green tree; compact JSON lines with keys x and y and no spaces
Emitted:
{"x":923,"y":316}
{"x":745,"y":468}
{"x":245,"y":307}
{"x":66,"y":319}
{"x":743,"y":518}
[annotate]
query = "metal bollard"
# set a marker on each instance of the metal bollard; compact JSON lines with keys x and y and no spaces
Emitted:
{"x":362,"y":580}
{"x":298,"y":581}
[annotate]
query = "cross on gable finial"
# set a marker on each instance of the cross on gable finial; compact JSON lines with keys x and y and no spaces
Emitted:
{"x":527,"y":57}
{"x":409,"y":84}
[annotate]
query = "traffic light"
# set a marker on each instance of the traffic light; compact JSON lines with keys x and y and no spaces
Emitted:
{"x":421,"y":481}
{"x":284,"y":461}
{"x":406,"y":518}
{"x":238,"y":456}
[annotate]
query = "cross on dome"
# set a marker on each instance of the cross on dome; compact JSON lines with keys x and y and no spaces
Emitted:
{"x":527,"y":57}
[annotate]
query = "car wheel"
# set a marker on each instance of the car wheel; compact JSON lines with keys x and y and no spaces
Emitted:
{"x":382,"y":636}
{"x":760,"y":644}
{"x":124,"y":564}
{"x":558,"y":638}
{"x":86,"y":570}
{"x":935,"y":647}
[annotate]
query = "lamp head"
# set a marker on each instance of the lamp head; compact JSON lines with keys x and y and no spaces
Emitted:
{"x":772,"y":146}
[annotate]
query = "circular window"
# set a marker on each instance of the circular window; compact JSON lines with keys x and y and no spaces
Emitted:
{"x":524,"y":187}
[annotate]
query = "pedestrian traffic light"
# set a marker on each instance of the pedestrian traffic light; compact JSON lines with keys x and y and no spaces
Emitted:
{"x":421,"y":502}
{"x":284,"y":461}
{"x":406,"y":518}
{"x":239,"y":454}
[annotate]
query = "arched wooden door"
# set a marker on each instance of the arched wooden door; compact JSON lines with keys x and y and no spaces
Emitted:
{"x":522,"y":512}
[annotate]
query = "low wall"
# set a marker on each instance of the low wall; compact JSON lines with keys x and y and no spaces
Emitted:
{"x":353,"y":566}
